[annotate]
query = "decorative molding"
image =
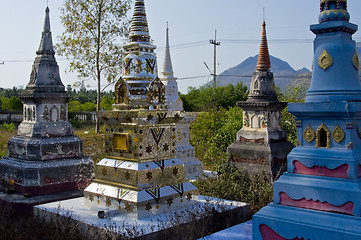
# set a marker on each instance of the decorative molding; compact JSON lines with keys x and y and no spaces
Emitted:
{"x":325,"y":60}
{"x":309,"y":134}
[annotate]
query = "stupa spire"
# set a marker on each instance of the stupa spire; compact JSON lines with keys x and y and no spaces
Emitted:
{"x":264,"y":62}
{"x":167,"y":64}
{"x":45,"y":75}
{"x":139,"y":31}
{"x":46,"y":44}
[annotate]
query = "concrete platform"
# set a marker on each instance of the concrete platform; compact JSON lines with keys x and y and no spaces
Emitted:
{"x":208,"y":215}
{"x":241,"y":231}
{"x":20,"y":204}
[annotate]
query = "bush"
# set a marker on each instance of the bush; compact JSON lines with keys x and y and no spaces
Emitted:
{"x":213,"y":132}
{"x":207,"y":99}
{"x":8,"y":127}
{"x":236,"y":184}
{"x":11,"y":104}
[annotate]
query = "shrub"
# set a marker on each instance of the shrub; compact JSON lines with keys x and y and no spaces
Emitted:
{"x":213,"y":132}
{"x":8,"y":127}
{"x":236,"y":184}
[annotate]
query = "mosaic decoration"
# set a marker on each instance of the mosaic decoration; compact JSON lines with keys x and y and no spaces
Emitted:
{"x":156,"y":92}
{"x":325,"y":60}
{"x":121,"y":92}
{"x":157,"y":134}
{"x":338,"y":134}
{"x":355,"y":61}
{"x":309,"y":134}
{"x":126,"y":64}
{"x":151,"y":63}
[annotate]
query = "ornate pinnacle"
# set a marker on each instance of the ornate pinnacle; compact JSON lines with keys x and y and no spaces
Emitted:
{"x":264,"y":62}
{"x":139,"y":31}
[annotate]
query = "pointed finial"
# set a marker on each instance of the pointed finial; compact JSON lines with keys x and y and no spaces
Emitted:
{"x":46,"y":43}
{"x":167,"y":69}
{"x":264,"y":62}
{"x":264,"y":14}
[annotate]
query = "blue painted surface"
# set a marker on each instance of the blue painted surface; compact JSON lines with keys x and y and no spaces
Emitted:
{"x":241,"y":231}
{"x":332,"y":102}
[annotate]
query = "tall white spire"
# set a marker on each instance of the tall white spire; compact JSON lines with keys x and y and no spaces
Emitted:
{"x":167,"y":69}
{"x":172,"y":98}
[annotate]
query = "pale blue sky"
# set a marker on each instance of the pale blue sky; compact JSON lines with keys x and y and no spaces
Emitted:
{"x":190,"y":21}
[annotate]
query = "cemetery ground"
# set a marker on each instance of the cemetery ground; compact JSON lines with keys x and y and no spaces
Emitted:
{"x":231,"y":184}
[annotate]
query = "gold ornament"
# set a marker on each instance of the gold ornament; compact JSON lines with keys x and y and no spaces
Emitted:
{"x":355,"y":61}
{"x":325,"y":60}
{"x":358,"y":132}
{"x":338,"y":134}
{"x":309,"y":134}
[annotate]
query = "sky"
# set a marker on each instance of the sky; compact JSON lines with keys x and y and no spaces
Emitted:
{"x":192,"y":24}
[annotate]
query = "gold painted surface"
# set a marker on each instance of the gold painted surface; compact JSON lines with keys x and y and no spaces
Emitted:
{"x":309,"y":134}
{"x":110,"y":183}
{"x":328,"y":143}
{"x":325,"y":60}
{"x":355,"y":61}
{"x":338,"y":134}
{"x":121,"y":141}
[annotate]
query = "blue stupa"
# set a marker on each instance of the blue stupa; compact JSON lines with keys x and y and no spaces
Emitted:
{"x":319,"y":197}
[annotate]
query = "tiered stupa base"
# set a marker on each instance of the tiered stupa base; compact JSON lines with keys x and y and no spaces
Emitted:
{"x":47,"y":177}
{"x":259,"y":158}
{"x":277,"y":222}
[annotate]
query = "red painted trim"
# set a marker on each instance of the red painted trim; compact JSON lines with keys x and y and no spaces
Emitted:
{"x":340,"y":172}
{"x":346,"y":208}
{"x":267,"y":233}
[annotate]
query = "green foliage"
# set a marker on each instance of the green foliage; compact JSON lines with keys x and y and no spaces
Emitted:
{"x":11,"y":104}
{"x":76,"y":106}
{"x":92,"y":44}
{"x":206,"y":99}
{"x":213,"y":132}
{"x":8,"y":127}
{"x":293,"y":95}
{"x":107,"y":102}
{"x":233,"y":183}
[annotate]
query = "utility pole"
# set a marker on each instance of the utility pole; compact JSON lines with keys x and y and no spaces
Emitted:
{"x":215,"y":44}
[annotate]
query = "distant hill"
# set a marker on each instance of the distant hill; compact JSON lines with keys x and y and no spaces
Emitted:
{"x":283,"y":73}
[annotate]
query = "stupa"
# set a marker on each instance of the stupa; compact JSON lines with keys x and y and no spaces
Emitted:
{"x":141,"y":175}
{"x":319,"y":195}
{"x":261,"y":145}
{"x":45,"y":156}
{"x":184,"y":150}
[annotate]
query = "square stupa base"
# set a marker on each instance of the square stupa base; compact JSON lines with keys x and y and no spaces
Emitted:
{"x":18,"y":203}
{"x":277,"y":222}
{"x":206,"y":216}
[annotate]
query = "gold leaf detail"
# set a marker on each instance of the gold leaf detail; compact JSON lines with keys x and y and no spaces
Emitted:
{"x":325,"y":60}
{"x":309,"y":134}
{"x":338,"y":134}
{"x":355,"y":61}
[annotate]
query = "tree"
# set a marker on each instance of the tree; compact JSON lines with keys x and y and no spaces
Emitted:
{"x":91,"y":41}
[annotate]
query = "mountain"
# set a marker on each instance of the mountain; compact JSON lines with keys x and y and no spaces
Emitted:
{"x":282,"y":71}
